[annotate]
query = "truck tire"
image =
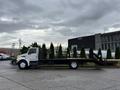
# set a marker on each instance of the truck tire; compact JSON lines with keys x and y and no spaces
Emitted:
{"x":73,"y":65}
{"x":22,"y":64}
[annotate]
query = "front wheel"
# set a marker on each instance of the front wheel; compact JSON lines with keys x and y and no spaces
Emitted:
{"x":73,"y":65}
{"x":23,"y":65}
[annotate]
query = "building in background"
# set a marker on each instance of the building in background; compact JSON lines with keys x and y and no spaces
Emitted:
{"x":104,"y":41}
{"x":10,"y":51}
{"x":82,"y":42}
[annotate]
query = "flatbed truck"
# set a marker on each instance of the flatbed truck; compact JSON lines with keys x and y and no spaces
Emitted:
{"x":32,"y":57}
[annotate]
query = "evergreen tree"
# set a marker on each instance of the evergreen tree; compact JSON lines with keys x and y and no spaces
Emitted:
{"x":35,"y":44}
{"x":91,"y":53}
{"x":24,"y":49}
{"x":60,"y":54}
{"x":109,"y":56}
{"x":117,"y":53}
{"x":51,"y":51}
{"x":100,"y":53}
{"x":82,"y":53}
{"x":44,"y":52}
{"x":40,"y":54}
{"x":74,"y":52}
{"x":68,"y":53}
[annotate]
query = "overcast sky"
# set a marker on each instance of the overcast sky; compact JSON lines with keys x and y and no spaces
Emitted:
{"x":56,"y":21}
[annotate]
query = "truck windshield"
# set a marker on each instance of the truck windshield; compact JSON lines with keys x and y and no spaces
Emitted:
{"x":32,"y":51}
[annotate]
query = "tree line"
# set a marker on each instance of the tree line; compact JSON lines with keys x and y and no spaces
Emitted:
{"x":57,"y":52}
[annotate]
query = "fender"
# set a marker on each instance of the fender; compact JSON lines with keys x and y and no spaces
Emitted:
{"x":23,"y":58}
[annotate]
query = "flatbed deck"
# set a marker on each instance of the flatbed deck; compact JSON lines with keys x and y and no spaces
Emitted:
{"x":65,"y":61}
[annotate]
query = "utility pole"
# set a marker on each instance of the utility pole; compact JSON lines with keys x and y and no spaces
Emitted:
{"x":20,"y":43}
{"x":12,"y":49}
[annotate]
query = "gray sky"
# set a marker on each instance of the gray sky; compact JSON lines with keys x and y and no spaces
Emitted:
{"x":56,"y":21}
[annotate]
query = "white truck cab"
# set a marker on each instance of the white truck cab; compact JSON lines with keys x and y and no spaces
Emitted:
{"x":23,"y":60}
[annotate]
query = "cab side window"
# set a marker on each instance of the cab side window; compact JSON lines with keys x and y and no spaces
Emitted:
{"x":32,"y":51}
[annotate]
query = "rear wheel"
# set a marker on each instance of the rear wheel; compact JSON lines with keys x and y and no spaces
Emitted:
{"x":23,"y":64}
{"x":73,"y":65}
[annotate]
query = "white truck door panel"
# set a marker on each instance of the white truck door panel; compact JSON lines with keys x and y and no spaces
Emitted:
{"x":32,"y":54}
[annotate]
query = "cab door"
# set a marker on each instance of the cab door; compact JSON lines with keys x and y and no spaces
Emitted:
{"x":32,"y":54}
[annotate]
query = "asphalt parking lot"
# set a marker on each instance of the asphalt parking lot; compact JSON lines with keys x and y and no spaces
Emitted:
{"x":11,"y":78}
